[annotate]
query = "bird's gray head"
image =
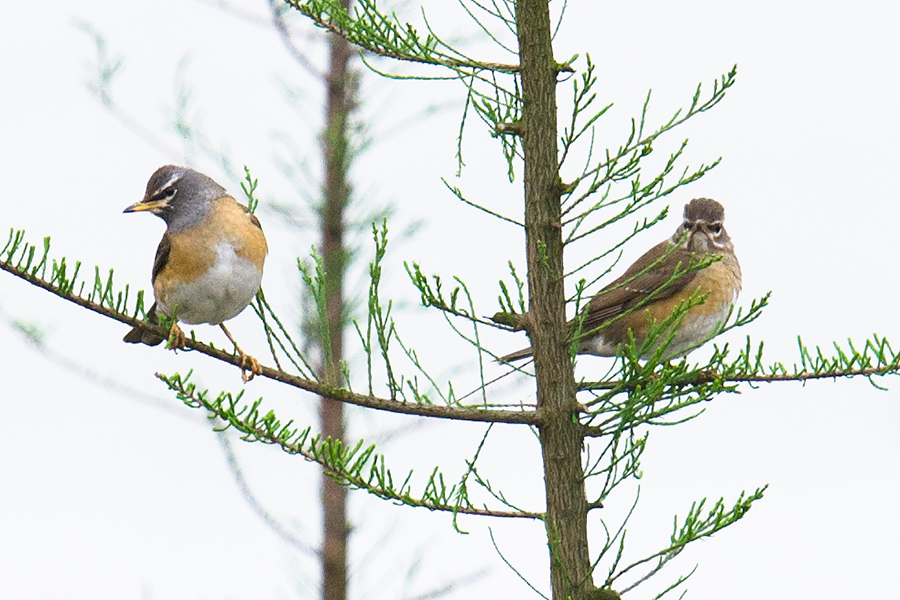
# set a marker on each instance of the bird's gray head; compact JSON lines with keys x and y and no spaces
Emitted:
{"x":703,"y":230}
{"x":178,"y":195}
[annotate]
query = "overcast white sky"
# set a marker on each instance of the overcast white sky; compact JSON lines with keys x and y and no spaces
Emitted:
{"x":121,"y":493}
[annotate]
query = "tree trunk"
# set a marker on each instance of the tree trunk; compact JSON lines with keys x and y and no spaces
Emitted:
{"x":334,"y":496}
{"x":560,"y":436}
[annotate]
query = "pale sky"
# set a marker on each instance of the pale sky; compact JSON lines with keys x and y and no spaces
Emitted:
{"x":118,"y":491}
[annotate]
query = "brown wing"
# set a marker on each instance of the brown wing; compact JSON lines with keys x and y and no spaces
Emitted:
{"x":253,"y":218}
{"x":618,"y":296}
{"x":138,"y":335}
{"x":162,"y":256}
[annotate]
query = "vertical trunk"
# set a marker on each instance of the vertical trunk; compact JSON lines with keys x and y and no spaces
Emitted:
{"x":334,"y":496}
{"x":566,"y":519}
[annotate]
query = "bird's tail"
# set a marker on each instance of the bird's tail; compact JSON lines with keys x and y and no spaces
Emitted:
{"x":517,"y":355}
{"x":138,"y":335}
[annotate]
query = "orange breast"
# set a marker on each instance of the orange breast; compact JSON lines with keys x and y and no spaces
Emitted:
{"x":193,"y":252}
{"x":719,"y":283}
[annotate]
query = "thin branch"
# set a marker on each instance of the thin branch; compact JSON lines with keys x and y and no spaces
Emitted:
{"x":513,"y":569}
{"x":288,"y":41}
{"x":271,"y":522}
{"x":385,"y":38}
{"x":459,"y":413}
{"x":347,"y":464}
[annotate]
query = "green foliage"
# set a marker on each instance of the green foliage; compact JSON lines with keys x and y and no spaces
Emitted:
{"x":18,"y":258}
{"x":507,"y":306}
{"x":614,"y":414}
{"x":384,"y":35}
{"x":315,"y":283}
{"x":696,"y":525}
{"x":249,"y":186}
{"x":106,"y":67}
{"x":358,"y":466}
{"x":278,"y":335}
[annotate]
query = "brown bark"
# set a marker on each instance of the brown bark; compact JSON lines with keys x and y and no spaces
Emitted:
{"x":566,"y":517}
{"x":334,"y":496}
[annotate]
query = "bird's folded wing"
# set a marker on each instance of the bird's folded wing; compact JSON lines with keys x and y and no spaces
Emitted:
{"x":162,"y":256}
{"x":619,"y":296}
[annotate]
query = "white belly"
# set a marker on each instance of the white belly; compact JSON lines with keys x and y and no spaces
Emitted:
{"x":221,"y":294}
{"x":694,"y":331}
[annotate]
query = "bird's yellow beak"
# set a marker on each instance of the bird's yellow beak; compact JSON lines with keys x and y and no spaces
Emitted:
{"x":153,"y":206}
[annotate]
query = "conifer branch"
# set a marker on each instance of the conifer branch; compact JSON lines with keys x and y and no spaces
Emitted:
{"x":18,"y":258}
{"x":359,"y":466}
{"x":371,"y":30}
{"x":695,"y":526}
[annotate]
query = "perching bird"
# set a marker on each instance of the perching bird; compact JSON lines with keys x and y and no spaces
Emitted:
{"x":209,"y":264}
{"x":700,"y":236}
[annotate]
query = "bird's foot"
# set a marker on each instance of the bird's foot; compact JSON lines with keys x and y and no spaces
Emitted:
{"x":250,"y":367}
{"x":247,"y":363}
{"x":176,"y":338}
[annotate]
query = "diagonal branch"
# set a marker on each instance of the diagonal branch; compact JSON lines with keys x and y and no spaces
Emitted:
{"x":356,"y":466}
{"x":458,"y":413}
{"x":383,"y":37}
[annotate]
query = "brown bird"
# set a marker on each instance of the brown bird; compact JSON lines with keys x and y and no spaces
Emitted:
{"x":648,"y":284}
{"x":209,"y":264}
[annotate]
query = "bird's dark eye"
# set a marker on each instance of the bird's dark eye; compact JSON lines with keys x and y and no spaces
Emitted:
{"x":715,"y":228}
{"x":167,"y":193}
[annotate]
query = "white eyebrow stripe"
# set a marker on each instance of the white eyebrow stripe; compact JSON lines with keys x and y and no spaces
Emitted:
{"x":175,"y":177}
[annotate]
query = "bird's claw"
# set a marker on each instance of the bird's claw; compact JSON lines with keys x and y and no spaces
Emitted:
{"x":176,"y":338}
{"x":250,"y":367}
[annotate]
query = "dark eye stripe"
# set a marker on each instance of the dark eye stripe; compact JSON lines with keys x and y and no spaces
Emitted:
{"x":168,"y":192}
